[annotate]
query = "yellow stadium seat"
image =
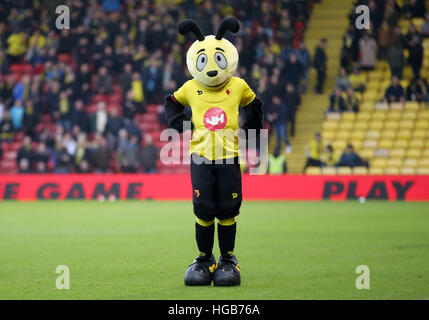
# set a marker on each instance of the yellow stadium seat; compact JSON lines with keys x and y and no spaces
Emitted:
{"x":391,"y":124}
{"x":364,"y":115}
{"x":385,"y":144}
{"x":328,"y":135}
{"x":419,"y":133}
{"x":424,"y":115}
{"x":333,"y":116}
{"x":407,"y":170}
{"x":376,"y":170}
{"x":376,"y":125}
{"x":351,"y":116}
{"x":330,"y":124}
{"x":379,"y":162}
{"x":346,"y":125}
{"x":344,"y":170}
{"x":423,"y":162}
{"x":373,"y":134}
{"x":367,"y":106}
{"x":339,"y":144}
{"x":406,"y":124}
{"x":358,"y":135}
{"x":361,"y":125}
{"x":394,"y":162}
{"x":409,"y":115}
{"x":410,"y":163}
{"x":394,"y":115}
{"x":367,"y":153}
{"x":381,"y":106}
{"x":414,"y":153}
{"x":422,"y":171}
{"x":360,"y":170}
{"x":425,"y":153}
{"x":405,"y":134}
{"x":357,"y":144}
{"x":388,"y":134}
{"x":416,"y":143}
{"x":379,"y":115}
{"x":401,"y":143}
{"x":422,"y":124}
{"x":329,"y":170}
{"x":412,"y":105}
{"x":391,"y":170}
{"x":397,"y":153}
{"x":396,"y":106}
{"x":313,"y":171}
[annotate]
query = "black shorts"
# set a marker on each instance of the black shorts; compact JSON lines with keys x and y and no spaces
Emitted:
{"x":216,"y":188}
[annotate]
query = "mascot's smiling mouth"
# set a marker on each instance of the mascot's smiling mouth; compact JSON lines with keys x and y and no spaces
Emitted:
{"x":212,"y":73}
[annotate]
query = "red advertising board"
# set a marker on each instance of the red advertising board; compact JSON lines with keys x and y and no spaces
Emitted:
{"x":178,"y":187}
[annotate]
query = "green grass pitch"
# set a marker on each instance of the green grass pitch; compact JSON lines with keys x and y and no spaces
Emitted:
{"x":287,"y":250}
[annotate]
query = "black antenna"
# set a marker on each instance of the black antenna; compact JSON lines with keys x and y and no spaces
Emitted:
{"x":189,"y":25}
{"x":227,"y":24}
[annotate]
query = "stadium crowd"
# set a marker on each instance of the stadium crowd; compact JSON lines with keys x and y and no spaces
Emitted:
{"x":360,"y":52}
{"x":73,"y":96}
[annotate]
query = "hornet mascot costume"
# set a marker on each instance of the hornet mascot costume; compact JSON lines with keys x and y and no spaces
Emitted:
{"x":214,"y":96}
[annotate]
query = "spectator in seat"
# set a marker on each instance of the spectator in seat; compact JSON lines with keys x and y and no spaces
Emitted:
{"x":113,"y":125}
{"x":395,"y":92}
{"x":336,"y":100}
{"x":395,"y":58}
{"x":100,"y":118}
{"x":292,"y":100}
{"x":303,"y":56}
{"x":79,"y":117}
{"x":128,"y":154}
{"x":343,"y":81}
{"x":41,"y":168}
{"x":414,"y":9}
{"x":129,"y":106}
{"x":350,"y":158}
{"x":2,"y":109}
{"x":351,"y":101}
{"x":17,"y":115}
{"x":386,"y":38}
{"x":102,"y":156}
{"x":70,"y":144}
{"x":320,"y":63}
{"x":125,"y":78}
{"x":328,"y":157}
{"x":40,"y":157}
{"x":293,"y":71}
{"x":425,"y":27}
{"x":31,"y":118}
{"x":417,"y":90}
{"x":63,"y":159}
{"x":415,"y":58}
{"x":314,"y":152}
{"x":368,"y":52}
{"x":149,"y":155}
{"x":277,"y":113}
{"x":358,"y":80}
{"x":104,"y":83}
{"x":24,"y":166}
{"x":22,"y":88}
{"x":26,"y":151}
{"x":137,"y":89}
{"x":84,"y":80}
{"x":277,"y":163}
{"x":82,"y":153}
{"x":6,"y":127}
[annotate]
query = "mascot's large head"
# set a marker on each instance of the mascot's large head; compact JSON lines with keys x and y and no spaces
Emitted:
{"x":211,"y":60}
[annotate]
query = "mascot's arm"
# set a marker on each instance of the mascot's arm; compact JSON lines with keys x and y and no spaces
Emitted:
{"x":175,"y":113}
{"x":253,"y":116}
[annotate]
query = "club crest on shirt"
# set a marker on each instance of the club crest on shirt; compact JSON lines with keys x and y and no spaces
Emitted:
{"x":215,"y":119}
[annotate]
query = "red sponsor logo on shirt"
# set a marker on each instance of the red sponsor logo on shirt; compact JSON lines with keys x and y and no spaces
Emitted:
{"x":215,"y":119}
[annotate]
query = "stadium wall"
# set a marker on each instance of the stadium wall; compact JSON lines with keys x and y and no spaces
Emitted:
{"x":178,"y":187}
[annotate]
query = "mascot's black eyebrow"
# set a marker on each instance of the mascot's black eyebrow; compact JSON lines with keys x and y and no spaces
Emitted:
{"x":201,"y":50}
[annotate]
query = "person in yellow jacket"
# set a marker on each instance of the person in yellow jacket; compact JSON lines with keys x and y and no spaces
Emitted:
{"x":276,"y":163}
{"x":16,"y":46}
{"x":328,"y":157}
{"x":314,"y":152}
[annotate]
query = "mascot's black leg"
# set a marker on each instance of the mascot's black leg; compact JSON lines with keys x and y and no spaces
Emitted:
{"x":200,"y":272}
{"x":228,"y":271}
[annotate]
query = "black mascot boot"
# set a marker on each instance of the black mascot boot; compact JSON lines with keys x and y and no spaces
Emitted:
{"x":227,"y":272}
{"x":200,"y":272}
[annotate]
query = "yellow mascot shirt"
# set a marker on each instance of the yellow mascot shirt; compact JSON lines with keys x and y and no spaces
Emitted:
{"x":215,"y":116}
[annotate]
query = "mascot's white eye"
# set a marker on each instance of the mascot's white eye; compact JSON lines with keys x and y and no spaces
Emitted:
{"x":220,"y":60}
{"x":201,"y":62}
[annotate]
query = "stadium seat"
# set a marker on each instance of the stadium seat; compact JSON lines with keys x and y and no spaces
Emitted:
{"x":313,"y":171}
{"x":407,"y":170}
{"x":329,"y":171}
{"x":360,"y":170}
{"x":376,"y":170}
{"x":391,"y":170}
{"x":344,"y":170}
